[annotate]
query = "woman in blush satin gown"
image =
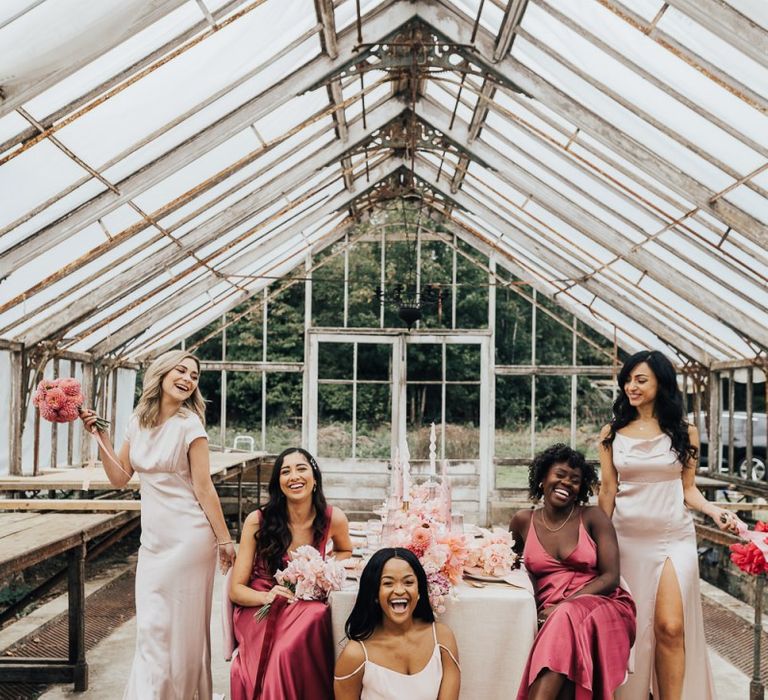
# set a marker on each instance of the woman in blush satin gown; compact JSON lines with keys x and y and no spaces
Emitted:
{"x":587,"y":619}
{"x":182,"y":529}
{"x":648,"y":457}
{"x":289,"y":654}
{"x":396,"y":650}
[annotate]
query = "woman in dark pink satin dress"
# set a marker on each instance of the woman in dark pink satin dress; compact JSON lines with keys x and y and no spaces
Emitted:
{"x":587,"y":619}
{"x":289,"y":655}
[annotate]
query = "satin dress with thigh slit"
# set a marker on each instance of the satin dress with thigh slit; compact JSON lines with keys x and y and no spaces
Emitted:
{"x":654,"y":526}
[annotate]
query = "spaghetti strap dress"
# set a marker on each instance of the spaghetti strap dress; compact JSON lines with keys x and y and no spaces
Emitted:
{"x":382,"y":683}
{"x":587,"y":638}
{"x":653,"y":525}
{"x":288,"y":655}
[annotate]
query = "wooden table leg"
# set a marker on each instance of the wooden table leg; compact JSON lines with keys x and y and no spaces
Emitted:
{"x":76,"y":577}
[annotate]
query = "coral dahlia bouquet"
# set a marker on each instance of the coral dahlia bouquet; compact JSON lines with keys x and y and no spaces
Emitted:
{"x":753,"y":556}
{"x":60,"y":400}
{"x":308,"y":576}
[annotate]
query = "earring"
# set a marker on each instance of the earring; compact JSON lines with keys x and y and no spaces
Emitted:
{"x":541,"y":484}
{"x":314,"y":488}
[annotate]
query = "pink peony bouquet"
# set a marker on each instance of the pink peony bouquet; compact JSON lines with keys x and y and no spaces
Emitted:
{"x":308,"y":576}
{"x":441,"y":554}
{"x":753,"y":556}
{"x":59,"y":401}
{"x":493,"y":555}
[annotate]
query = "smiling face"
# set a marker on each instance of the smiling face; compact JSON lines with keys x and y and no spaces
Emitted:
{"x":180,"y":383}
{"x":641,"y":386}
{"x":296,"y":477}
{"x":398,"y":590}
{"x":561,"y":485}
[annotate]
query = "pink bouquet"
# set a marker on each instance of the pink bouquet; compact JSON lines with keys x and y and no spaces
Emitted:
{"x":493,"y":555}
{"x":753,"y":556}
{"x":441,"y":554}
{"x":59,"y":401}
{"x":308,"y":576}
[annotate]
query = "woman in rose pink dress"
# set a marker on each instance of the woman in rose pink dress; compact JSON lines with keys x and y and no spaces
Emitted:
{"x":587,"y":619}
{"x":183,"y":531}
{"x":288,"y":655}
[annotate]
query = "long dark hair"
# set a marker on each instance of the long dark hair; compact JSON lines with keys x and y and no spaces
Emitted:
{"x":667,"y":408}
{"x":274,"y":536}
{"x":366,"y":615}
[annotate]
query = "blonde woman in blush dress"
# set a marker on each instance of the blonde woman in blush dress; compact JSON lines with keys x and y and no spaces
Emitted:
{"x":396,"y":650}
{"x":183,"y":532}
{"x":648,"y":457}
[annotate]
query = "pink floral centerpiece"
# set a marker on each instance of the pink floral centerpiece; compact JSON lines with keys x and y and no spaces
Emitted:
{"x":308,"y":576}
{"x":492,"y":555}
{"x":753,"y":556}
{"x":442,"y":554}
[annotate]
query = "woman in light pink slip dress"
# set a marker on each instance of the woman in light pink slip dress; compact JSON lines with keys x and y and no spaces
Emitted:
{"x":396,"y":650}
{"x":183,"y":531}
{"x":648,"y":457}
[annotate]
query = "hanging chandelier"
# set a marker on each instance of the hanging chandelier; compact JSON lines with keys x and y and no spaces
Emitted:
{"x":408,"y":296}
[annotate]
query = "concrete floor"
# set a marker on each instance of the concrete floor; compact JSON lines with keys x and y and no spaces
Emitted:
{"x":110,"y":663}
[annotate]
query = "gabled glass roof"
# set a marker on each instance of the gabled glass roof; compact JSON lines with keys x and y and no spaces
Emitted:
{"x":161,"y":163}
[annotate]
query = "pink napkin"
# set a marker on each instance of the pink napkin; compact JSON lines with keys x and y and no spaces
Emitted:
{"x":759,"y":538}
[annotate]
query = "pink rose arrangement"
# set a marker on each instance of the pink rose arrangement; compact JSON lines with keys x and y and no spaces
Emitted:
{"x":441,"y":554}
{"x":308,"y":576}
{"x":59,"y":401}
{"x":493,"y":554}
{"x":753,"y":556}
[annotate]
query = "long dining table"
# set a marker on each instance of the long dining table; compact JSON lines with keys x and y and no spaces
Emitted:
{"x":494,"y":624}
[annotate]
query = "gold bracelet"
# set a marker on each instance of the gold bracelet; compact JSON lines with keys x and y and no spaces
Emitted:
{"x":221,"y":544}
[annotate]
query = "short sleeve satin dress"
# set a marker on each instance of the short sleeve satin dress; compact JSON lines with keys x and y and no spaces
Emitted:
{"x":177,"y":562}
{"x":652,"y":525}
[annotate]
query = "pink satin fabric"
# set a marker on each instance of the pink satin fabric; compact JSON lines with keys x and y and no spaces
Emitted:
{"x":298,"y":664}
{"x":587,"y":638}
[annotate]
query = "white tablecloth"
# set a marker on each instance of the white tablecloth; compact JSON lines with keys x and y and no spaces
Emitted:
{"x":494,"y":628}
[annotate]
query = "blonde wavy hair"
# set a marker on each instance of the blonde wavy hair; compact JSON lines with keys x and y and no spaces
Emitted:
{"x":148,"y":408}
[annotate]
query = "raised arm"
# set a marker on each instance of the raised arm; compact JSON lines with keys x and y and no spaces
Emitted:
{"x":694,"y":498}
{"x":199,"y":467}
{"x":609,"y":479}
{"x":339,"y":534}
{"x":116,"y":466}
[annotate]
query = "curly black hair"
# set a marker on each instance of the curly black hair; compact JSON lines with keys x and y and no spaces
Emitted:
{"x":560,"y":453}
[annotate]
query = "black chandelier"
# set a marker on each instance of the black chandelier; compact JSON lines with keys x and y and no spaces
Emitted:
{"x":407,"y":296}
{"x":410,"y":300}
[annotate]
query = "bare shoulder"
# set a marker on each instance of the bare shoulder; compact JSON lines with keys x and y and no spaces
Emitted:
{"x":605,"y":431}
{"x":693,"y":433}
{"x":521,"y":519}
{"x":594,"y":515}
{"x":338,"y":517}
{"x":351,"y":658}
{"x":445,"y":636}
{"x":253,"y":520}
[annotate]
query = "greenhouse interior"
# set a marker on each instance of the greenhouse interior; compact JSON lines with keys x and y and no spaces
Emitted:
{"x":422,"y":240}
